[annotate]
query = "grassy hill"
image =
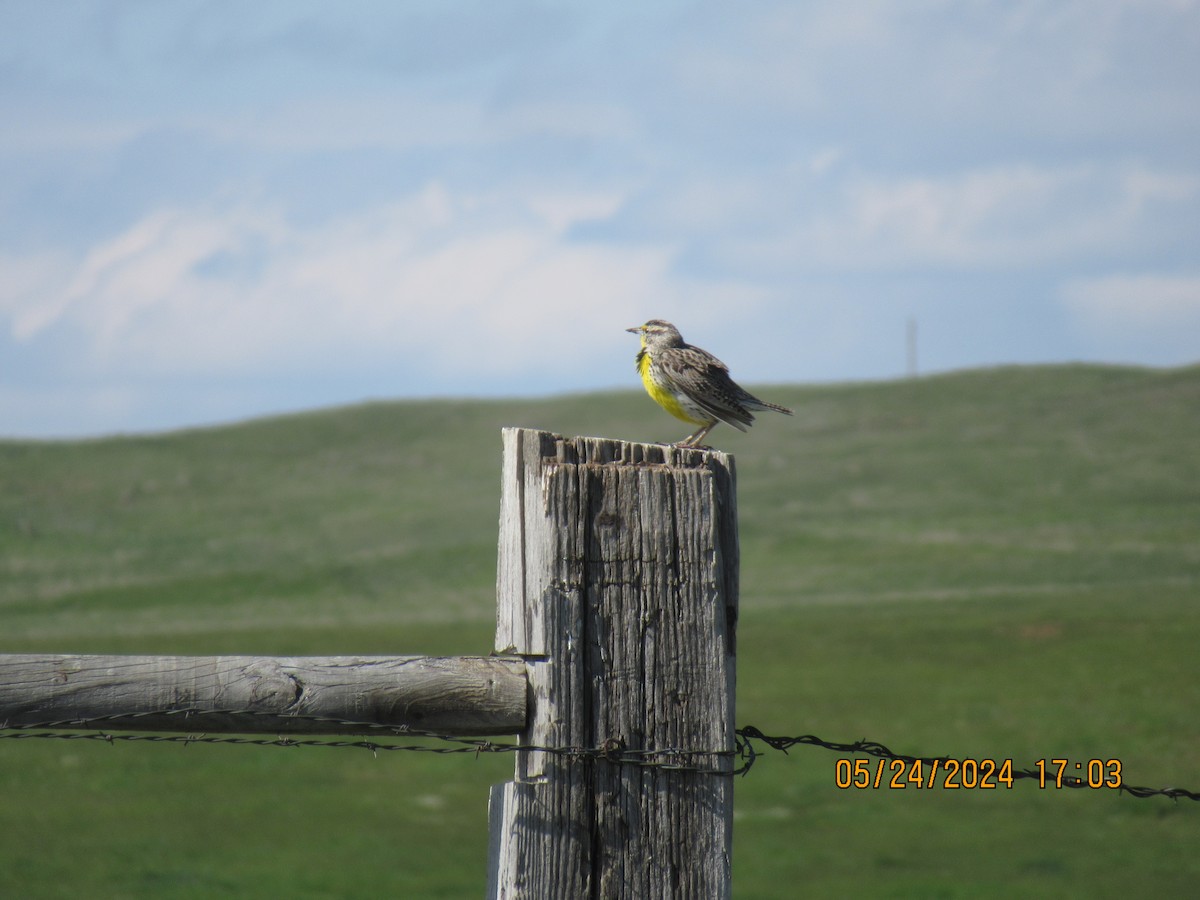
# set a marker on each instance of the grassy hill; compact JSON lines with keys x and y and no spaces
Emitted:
{"x":999,"y":563}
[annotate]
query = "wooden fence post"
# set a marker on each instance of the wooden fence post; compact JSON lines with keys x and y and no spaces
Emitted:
{"x":618,"y":584}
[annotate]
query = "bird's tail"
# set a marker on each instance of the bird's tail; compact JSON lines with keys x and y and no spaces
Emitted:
{"x":756,"y":404}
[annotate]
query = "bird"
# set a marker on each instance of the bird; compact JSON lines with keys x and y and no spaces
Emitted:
{"x":692,"y":384}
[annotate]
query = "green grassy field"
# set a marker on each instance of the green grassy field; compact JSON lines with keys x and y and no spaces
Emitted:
{"x":1000,"y":563}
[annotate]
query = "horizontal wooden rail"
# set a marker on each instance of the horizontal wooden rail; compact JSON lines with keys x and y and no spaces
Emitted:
{"x":461,"y":695}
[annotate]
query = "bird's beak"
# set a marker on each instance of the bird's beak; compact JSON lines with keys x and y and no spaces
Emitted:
{"x":637,"y":330}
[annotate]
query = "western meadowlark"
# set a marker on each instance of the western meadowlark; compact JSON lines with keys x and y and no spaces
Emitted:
{"x":692,"y":384}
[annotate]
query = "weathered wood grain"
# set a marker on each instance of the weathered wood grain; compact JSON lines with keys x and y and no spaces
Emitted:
{"x":617,"y":582}
{"x":450,"y":695}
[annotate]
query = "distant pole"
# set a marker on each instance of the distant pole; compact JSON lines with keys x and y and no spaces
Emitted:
{"x":912,"y":347}
{"x":617,"y":583}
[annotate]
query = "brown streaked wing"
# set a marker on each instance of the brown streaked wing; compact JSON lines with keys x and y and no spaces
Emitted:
{"x":705,"y":379}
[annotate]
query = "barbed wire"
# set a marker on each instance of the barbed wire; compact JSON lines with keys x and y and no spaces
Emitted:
{"x":613,"y":751}
{"x":672,"y":759}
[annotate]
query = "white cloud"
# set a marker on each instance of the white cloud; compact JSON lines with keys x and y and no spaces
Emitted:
{"x":459,"y":284}
{"x":1008,"y":217}
{"x":32,"y":290}
{"x":1149,"y":304}
{"x":561,"y":210}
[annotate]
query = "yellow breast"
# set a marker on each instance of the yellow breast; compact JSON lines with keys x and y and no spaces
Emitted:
{"x":660,"y":393}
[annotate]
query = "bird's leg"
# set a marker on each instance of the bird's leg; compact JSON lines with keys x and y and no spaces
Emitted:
{"x":694,"y":439}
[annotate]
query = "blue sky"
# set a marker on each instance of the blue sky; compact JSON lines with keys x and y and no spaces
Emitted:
{"x":211,"y":211}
